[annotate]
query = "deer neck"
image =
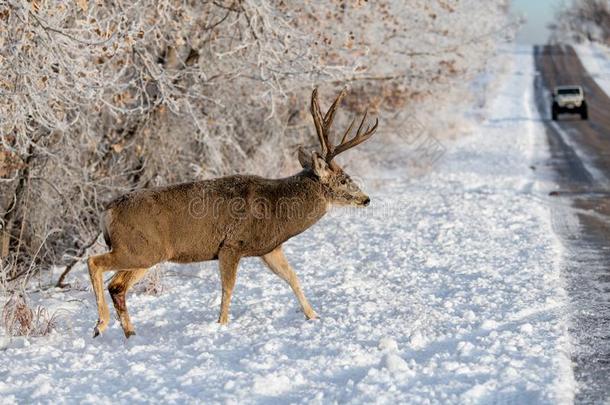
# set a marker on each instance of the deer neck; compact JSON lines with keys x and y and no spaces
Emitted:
{"x":303,"y":201}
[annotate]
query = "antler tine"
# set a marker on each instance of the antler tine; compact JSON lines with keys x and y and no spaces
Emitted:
{"x":330,"y":114}
{"x":362,"y":122}
{"x":318,"y":122}
{"x":356,"y":140}
{"x":348,"y":131}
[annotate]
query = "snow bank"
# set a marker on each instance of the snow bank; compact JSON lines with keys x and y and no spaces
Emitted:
{"x":596,"y":60}
{"x":446,"y":290}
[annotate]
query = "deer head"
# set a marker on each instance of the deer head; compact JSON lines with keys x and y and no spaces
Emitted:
{"x":340,"y":187}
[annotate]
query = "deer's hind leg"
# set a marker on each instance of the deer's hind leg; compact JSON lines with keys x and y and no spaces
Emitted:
{"x":119,"y":285}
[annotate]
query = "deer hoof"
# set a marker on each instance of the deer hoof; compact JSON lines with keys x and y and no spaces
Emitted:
{"x":99,"y":328}
{"x":311,"y":315}
{"x":129,"y":334}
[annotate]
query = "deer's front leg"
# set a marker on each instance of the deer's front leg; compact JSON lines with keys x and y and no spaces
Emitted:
{"x":228,"y":261}
{"x":277,"y":263}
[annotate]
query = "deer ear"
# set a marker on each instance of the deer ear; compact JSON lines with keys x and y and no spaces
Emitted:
{"x":304,"y":158}
{"x":320,"y":167}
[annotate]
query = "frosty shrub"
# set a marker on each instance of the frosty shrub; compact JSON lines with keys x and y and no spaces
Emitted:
{"x":582,"y":20}
{"x":19,"y":319}
{"x":98,"y":98}
{"x":152,"y":283}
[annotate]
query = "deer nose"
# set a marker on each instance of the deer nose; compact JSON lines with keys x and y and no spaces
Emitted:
{"x":366,"y":202}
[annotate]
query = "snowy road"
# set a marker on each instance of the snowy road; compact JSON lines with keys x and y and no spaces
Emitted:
{"x":580,"y":152}
{"x":448,"y":289}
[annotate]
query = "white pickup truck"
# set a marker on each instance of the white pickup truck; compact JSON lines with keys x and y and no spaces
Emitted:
{"x":569,"y":99}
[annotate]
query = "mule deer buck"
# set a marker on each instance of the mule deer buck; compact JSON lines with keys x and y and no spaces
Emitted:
{"x":224,"y":219}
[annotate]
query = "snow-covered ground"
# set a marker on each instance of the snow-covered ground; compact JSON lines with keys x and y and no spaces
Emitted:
{"x":447,"y":289}
{"x":596,"y":59}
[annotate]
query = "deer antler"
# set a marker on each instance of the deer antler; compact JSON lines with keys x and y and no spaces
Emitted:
{"x":356,"y":140}
{"x":323,"y":126}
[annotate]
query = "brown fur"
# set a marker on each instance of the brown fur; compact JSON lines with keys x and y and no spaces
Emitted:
{"x":191,"y":222}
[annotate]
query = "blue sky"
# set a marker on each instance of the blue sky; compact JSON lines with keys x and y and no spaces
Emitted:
{"x":538,"y":13}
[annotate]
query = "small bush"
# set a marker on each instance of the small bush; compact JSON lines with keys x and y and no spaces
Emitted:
{"x":152,"y":284}
{"x":20,"y":319}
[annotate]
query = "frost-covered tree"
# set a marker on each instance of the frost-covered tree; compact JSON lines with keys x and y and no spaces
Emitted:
{"x":100,"y":97}
{"x":582,"y":20}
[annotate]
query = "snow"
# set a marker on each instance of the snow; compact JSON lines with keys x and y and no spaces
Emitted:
{"x":595,"y":58}
{"x":447,"y":289}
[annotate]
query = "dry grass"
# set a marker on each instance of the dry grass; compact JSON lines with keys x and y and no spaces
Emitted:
{"x":19,"y":319}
